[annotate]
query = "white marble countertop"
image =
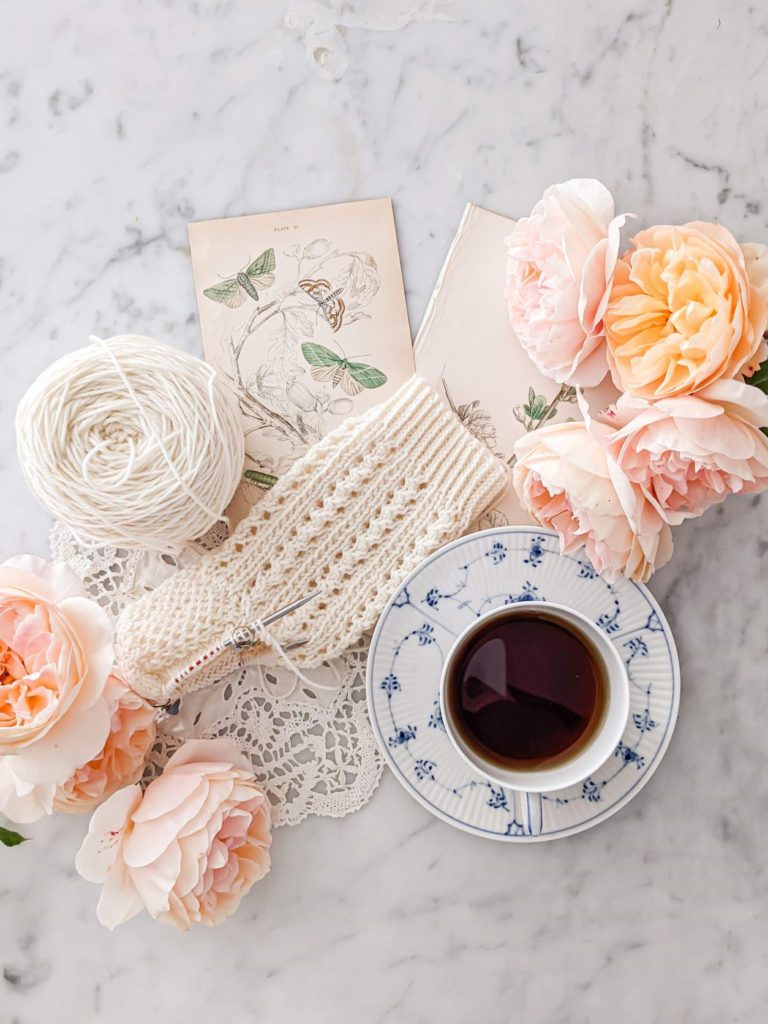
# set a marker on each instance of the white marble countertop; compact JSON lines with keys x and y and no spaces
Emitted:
{"x":122,"y":122}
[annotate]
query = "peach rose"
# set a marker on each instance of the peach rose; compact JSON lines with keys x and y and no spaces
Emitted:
{"x":119,"y":763}
{"x":690,"y":452}
{"x":189,"y":849}
{"x":686,"y":309}
{"x":560,"y":264}
{"x":55,"y":656}
{"x":566,"y":481}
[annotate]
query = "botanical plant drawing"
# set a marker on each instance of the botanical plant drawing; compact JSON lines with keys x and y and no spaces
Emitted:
{"x":533,"y":414}
{"x":298,"y":382}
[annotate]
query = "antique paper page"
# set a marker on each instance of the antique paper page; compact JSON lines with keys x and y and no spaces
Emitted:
{"x":303,"y":313}
{"x":468,"y":351}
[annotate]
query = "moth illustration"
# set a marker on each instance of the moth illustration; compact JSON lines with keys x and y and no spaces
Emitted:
{"x":234,"y":290}
{"x":331,"y":305}
{"x":326,"y":366}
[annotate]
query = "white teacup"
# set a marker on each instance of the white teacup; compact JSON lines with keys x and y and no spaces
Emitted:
{"x":590,"y":754}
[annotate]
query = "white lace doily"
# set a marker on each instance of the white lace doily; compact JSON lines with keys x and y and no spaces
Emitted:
{"x":314,"y":752}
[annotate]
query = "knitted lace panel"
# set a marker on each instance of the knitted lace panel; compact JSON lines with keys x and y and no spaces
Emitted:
{"x":313,"y":751}
{"x":352,"y":519}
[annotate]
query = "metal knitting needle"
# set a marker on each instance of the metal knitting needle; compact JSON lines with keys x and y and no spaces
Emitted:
{"x":291,"y":607}
{"x":242,"y":638}
{"x":247,"y":636}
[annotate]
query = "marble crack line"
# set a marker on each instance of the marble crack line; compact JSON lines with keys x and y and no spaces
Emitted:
{"x":134,"y":248}
{"x":394,"y":1007}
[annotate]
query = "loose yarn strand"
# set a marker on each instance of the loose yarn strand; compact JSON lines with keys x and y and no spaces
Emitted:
{"x":269,"y":639}
{"x":274,"y":645}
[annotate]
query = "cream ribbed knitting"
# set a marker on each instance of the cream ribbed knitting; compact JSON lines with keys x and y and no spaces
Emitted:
{"x":351,"y":519}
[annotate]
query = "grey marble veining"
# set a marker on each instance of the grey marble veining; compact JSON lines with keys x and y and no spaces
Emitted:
{"x":120,"y":123}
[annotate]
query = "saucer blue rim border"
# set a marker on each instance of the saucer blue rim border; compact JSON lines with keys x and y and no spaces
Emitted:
{"x":474,"y":830}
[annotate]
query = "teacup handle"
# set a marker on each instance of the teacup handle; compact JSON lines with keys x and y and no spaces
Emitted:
{"x":531,"y":813}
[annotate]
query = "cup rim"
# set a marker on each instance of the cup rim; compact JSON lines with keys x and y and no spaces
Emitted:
{"x":606,"y":737}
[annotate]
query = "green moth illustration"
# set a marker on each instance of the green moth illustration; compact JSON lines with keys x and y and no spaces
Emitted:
{"x":233,"y":291}
{"x":327,"y":366}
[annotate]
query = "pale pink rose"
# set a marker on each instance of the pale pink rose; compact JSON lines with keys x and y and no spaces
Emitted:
{"x":560,"y":263}
{"x":688,"y":307}
{"x":691,"y":452}
{"x":55,"y":656}
{"x":119,"y":763}
{"x":189,"y":849}
{"x":566,"y":481}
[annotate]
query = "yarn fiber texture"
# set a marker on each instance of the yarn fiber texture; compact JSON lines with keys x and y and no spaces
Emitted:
{"x":351,"y":519}
{"x":131,"y":443}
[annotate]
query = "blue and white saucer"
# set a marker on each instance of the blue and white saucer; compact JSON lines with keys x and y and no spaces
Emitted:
{"x":450,"y":589}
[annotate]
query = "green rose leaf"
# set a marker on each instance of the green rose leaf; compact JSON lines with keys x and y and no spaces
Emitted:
{"x":538,"y":407}
{"x":8,"y":838}
{"x":760,"y":377}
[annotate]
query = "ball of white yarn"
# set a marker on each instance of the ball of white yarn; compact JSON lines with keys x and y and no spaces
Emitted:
{"x":131,"y":443}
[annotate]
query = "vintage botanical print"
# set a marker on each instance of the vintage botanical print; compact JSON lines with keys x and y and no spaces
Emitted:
{"x":533,"y":413}
{"x":303,"y":313}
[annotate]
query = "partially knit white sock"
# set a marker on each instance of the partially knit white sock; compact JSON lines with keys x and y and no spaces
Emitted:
{"x":351,"y":519}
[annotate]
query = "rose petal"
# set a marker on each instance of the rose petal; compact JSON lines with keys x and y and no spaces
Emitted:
{"x":155,"y":883}
{"x":22,"y":801}
{"x":169,"y":792}
{"x":95,"y":634}
{"x":152,"y":837}
{"x":101,"y":846}
{"x":221,"y":750}
{"x":119,"y":900}
{"x":69,"y":743}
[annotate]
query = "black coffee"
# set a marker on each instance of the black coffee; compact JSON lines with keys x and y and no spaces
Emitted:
{"x":526,"y":691}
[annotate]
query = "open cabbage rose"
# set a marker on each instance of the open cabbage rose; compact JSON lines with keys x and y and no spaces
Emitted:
{"x":690,"y":452}
{"x":56,"y":655}
{"x":687,"y":308}
{"x":560,"y":263}
{"x":189,"y":848}
{"x":566,"y":481}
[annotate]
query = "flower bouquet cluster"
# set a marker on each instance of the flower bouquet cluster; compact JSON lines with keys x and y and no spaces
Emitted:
{"x":74,"y":737}
{"x":674,"y":332}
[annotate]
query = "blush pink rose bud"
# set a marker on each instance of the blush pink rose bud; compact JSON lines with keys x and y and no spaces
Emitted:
{"x":56,"y":654}
{"x":560,"y":264}
{"x":689,"y":453}
{"x":566,"y":481}
{"x":186,"y":850}
{"x":688,"y":307}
